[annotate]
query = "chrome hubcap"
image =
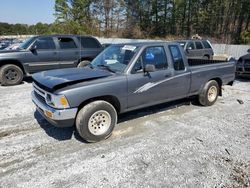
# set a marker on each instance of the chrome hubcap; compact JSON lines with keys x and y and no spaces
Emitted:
{"x":212,"y":93}
{"x":99,"y":122}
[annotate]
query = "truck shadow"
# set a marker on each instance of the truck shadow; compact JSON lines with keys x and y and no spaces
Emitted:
{"x":28,"y":79}
{"x":57,"y":133}
{"x":156,"y":109}
{"x":243,"y":79}
{"x":62,"y":134}
{"x":54,"y":132}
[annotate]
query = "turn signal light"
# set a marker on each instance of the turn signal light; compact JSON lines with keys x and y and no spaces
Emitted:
{"x":48,"y":114}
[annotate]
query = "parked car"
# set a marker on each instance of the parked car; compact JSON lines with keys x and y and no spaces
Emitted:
{"x":14,"y":46}
{"x":5,"y":43}
{"x":125,"y":77}
{"x":42,"y":53}
{"x":243,"y":65}
{"x":197,"y":49}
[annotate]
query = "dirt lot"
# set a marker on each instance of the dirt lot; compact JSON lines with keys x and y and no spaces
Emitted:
{"x":171,"y":145}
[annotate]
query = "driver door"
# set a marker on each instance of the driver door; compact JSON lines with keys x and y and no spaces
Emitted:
{"x":148,"y":88}
{"x":42,"y":55}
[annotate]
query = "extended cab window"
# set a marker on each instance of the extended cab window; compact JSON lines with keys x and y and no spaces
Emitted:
{"x":44,"y":43}
{"x":198,"y":45}
{"x":151,"y":55}
{"x":177,"y":57}
{"x":89,"y":43}
{"x":66,"y":43}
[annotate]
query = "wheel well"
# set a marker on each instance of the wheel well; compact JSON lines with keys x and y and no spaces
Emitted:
{"x":108,"y":98}
{"x":219,"y":81}
{"x":13,"y":62}
{"x":206,"y":55}
{"x":85,"y":59}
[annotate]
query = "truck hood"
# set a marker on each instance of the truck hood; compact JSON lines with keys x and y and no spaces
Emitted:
{"x":56,"y":79}
{"x":10,"y":51}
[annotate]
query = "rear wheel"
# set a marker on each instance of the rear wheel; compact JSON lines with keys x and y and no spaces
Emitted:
{"x":10,"y":75}
{"x":96,"y":121}
{"x":209,"y":93}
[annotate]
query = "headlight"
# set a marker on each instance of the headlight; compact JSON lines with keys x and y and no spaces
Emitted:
{"x":57,"y":101}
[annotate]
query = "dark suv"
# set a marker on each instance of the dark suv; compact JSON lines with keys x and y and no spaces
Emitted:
{"x":243,"y":65}
{"x":42,"y":53}
{"x":197,"y":49}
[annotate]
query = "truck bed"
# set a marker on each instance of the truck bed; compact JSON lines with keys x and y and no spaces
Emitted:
{"x":197,"y":62}
{"x":203,"y":70}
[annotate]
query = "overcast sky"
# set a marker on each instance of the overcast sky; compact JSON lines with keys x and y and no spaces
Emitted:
{"x":27,"y":11}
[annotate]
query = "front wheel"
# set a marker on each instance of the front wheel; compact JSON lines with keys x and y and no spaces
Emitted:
{"x":96,"y":121}
{"x":10,"y":75}
{"x":209,"y":93}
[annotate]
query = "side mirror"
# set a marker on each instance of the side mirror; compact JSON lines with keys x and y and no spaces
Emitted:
{"x":248,"y":50}
{"x":33,"y":48}
{"x":149,"y":68}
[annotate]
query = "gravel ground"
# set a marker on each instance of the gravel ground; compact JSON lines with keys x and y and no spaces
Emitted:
{"x":177,"y":144}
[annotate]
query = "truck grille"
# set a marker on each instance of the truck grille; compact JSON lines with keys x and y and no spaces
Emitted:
{"x":39,"y":93}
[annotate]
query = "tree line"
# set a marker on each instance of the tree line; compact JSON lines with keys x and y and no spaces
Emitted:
{"x":224,"y":21}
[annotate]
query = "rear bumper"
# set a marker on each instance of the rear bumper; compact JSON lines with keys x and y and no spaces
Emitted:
{"x":57,"y":117}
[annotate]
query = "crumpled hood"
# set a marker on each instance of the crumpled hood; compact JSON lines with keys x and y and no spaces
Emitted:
{"x":10,"y":51}
{"x":55,"y":79}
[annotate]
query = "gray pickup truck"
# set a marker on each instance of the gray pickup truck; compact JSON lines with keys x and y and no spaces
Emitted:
{"x":42,"y":53}
{"x":122,"y":78}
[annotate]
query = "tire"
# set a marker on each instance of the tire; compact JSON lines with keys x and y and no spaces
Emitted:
{"x":209,"y":93}
{"x":11,"y":75}
{"x":83,"y":63}
{"x":96,"y":121}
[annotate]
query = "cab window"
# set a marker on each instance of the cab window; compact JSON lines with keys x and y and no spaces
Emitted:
{"x":198,"y":45}
{"x":177,"y":57}
{"x":66,"y":43}
{"x":151,"y":55}
{"x":89,"y":42}
{"x":206,"y":44}
{"x":45,"y":43}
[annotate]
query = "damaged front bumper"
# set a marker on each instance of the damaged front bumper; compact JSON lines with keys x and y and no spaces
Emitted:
{"x":57,"y":117}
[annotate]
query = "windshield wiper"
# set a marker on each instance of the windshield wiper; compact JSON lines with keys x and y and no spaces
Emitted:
{"x":106,"y":67}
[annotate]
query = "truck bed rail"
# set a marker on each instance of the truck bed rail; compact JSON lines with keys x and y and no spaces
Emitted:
{"x":197,"y":62}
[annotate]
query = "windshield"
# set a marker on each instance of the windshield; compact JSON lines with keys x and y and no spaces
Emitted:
{"x":27,"y":43}
{"x":115,"y":58}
